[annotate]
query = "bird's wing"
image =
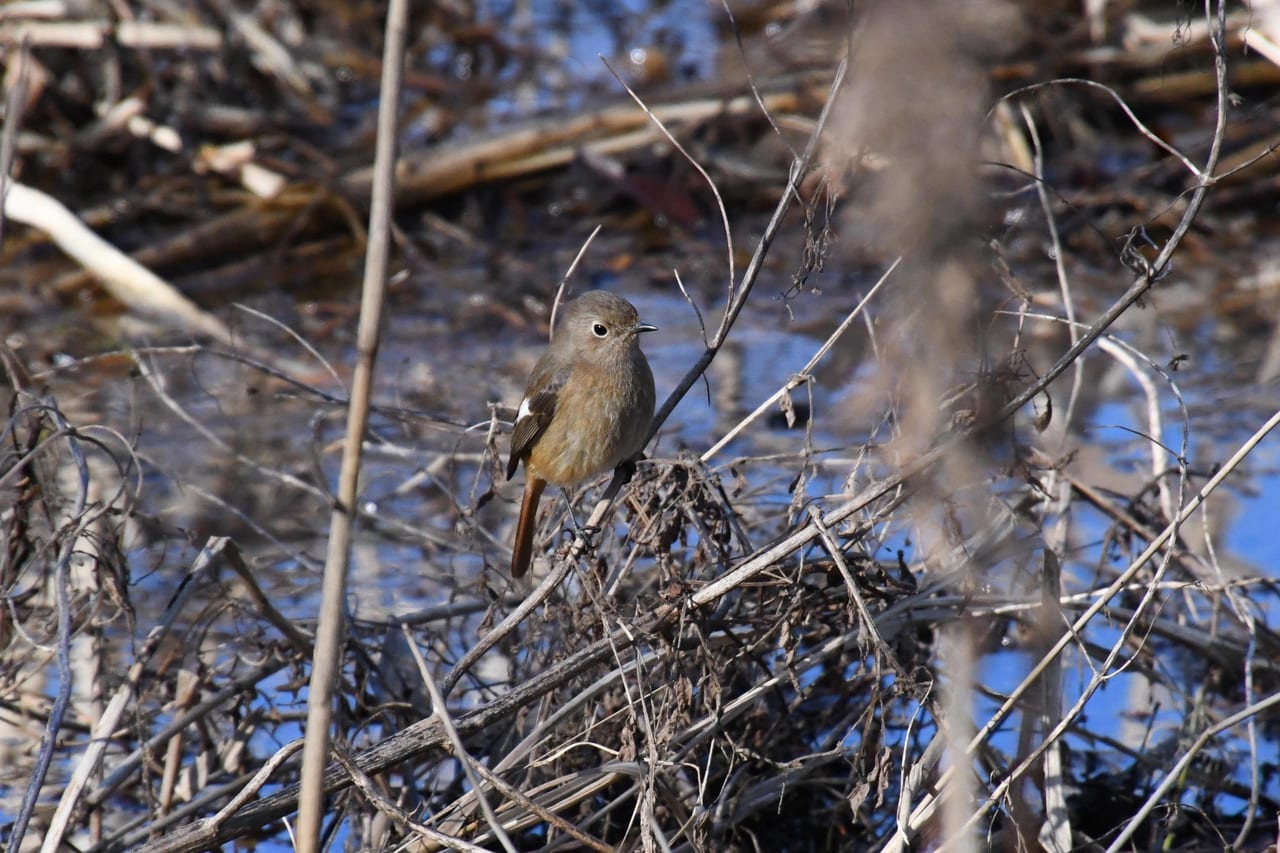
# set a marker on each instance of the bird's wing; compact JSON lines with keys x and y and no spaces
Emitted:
{"x":536,"y":411}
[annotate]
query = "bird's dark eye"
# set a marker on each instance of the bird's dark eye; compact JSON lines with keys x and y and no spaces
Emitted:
{"x":600,"y":330}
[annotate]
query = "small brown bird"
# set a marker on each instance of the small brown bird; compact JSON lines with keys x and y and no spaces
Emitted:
{"x":586,"y":409}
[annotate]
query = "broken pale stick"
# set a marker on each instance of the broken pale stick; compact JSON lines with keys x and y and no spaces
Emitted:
{"x":140,"y":290}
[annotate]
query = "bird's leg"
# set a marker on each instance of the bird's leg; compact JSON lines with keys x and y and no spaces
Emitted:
{"x":621,"y":476}
{"x":585,"y":532}
{"x":625,"y":471}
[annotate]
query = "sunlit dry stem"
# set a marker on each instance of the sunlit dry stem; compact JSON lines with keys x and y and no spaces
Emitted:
{"x":738,"y":298}
{"x":331,"y":629}
{"x":568,"y":274}
{"x":366,"y":786}
{"x":806,"y":372}
{"x":468,"y":763}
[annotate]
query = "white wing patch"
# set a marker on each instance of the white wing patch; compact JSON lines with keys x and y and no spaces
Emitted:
{"x":524,"y":410}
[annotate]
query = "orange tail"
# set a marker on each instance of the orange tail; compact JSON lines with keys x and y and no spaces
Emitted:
{"x":523,"y":551}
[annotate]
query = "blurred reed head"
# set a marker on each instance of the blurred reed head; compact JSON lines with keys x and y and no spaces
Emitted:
{"x":915,"y":103}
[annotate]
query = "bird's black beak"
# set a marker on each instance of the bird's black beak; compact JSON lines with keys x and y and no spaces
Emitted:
{"x":643,"y":327}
